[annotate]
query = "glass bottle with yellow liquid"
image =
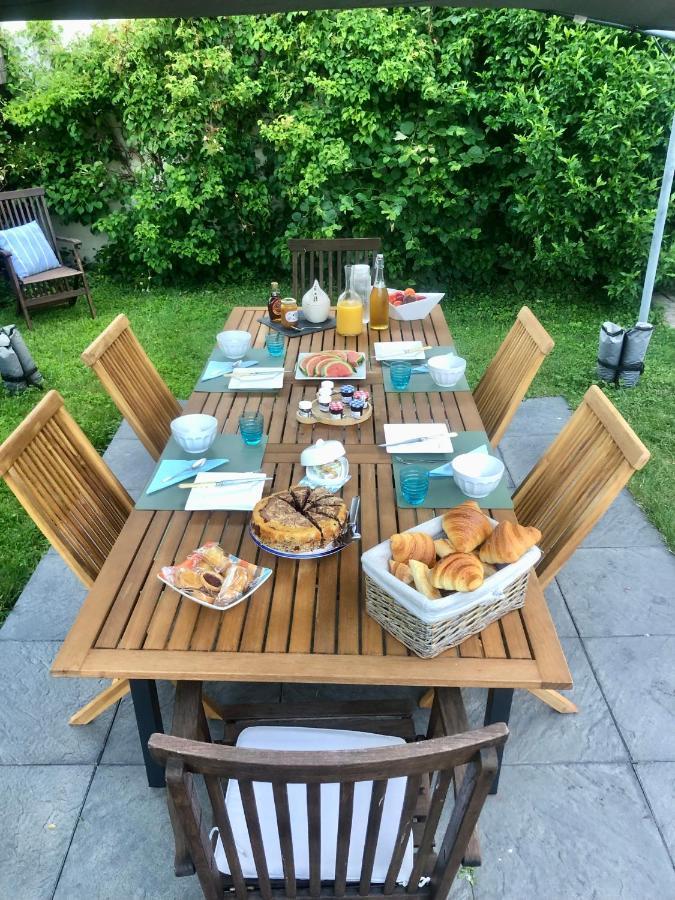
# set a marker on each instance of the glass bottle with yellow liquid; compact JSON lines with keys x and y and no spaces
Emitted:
{"x":349,"y":311}
{"x":379,"y":298}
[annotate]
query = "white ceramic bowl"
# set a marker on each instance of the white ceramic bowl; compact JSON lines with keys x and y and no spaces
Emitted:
{"x":446,"y":370}
{"x":234,"y":344}
{"x":419,"y":309}
{"x":477,"y":474}
{"x":194,"y":433}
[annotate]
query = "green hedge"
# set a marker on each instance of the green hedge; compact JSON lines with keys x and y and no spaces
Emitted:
{"x":473,"y":142}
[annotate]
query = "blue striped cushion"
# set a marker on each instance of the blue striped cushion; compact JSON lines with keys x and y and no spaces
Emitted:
{"x":30,"y":249}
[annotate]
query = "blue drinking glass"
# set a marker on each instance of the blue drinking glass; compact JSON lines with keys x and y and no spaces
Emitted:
{"x":275,"y":343}
{"x":251,"y":428}
{"x":414,"y":484}
{"x":400,"y":372}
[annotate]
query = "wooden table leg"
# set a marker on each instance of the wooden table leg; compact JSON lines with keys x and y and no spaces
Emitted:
{"x":498,"y":709}
{"x":148,"y":721}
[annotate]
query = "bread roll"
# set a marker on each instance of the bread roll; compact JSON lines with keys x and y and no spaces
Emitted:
{"x":442,"y":547}
{"x":401,"y":571}
{"x":458,"y":572}
{"x":466,"y":527}
{"x":508,"y":542}
{"x":421,"y":576}
{"x":413,"y":545}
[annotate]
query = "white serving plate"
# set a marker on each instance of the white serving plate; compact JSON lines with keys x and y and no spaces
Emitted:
{"x":359,"y":375}
{"x":312,"y":554}
{"x":420,"y":309}
{"x":264,"y":575}
{"x":386,"y":351}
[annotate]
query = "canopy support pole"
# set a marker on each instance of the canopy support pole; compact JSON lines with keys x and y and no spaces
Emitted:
{"x":659,"y":227}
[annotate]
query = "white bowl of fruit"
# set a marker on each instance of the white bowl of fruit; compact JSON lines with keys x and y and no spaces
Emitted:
{"x":408,"y":305}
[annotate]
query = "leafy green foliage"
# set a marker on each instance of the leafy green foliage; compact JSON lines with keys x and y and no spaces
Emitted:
{"x":474,"y":142}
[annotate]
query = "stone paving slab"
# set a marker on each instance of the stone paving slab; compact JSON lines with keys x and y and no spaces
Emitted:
{"x":540,"y":415}
{"x":568,"y":832}
{"x":620,"y":591}
{"x":637,"y":676}
{"x":123,"y":844}
{"x":541,"y":735}
{"x":564,"y":624}
{"x":35,"y":709}
{"x":48,"y":604}
{"x":658,"y":782}
{"x":130,"y":462}
{"x":40,"y":808}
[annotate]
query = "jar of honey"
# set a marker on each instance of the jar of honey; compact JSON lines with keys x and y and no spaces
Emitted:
{"x":289,"y":312}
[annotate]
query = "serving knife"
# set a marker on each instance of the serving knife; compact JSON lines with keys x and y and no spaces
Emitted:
{"x":417,"y":440}
{"x":224,"y":483}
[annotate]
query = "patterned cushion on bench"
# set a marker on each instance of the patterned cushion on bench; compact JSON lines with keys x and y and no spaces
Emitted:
{"x":30,"y":249}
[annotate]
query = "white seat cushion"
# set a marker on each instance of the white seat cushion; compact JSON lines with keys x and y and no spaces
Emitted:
{"x":317,"y":739}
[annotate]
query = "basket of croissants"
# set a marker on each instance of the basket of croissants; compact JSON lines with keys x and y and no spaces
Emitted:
{"x":436,"y":585}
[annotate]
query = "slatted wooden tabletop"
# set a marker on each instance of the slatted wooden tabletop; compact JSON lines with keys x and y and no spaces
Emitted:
{"x":308,"y":622}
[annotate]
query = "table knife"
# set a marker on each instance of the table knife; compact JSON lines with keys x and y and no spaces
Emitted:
{"x":417,"y":440}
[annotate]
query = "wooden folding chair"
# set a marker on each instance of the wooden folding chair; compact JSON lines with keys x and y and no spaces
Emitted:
{"x":325,"y":260}
{"x":509,"y":375}
{"x":73,"y":498}
{"x":134,"y":384}
{"x":573,"y":485}
{"x":54,"y":287}
{"x":356,"y":818}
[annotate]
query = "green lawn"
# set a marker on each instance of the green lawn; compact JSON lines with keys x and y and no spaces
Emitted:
{"x":177,"y":329}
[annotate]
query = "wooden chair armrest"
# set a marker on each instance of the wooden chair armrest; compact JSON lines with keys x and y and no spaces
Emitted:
{"x":74,"y":242}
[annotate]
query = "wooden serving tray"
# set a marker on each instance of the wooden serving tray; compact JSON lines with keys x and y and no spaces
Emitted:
{"x":325,"y":418}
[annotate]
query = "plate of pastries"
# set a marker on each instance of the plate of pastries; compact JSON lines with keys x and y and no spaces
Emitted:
{"x":300,"y":523}
{"x":211,"y":577}
{"x":471,"y":548}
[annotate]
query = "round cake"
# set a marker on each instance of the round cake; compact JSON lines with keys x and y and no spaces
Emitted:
{"x":299,"y":520}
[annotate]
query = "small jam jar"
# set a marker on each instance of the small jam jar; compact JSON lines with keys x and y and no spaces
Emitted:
{"x":336,"y":409}
{"x":305,"y":408}
{"x":347,"y":392}
{"x":357,"y":407}
{"x":326,"y":386}
{"x":362,"y":395}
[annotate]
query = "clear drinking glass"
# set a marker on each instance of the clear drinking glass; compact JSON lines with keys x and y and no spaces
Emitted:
{"x":414,"y":484}
{"x":275,"y":343}
{"x":400,"y":372}
{"x":251,"y":428}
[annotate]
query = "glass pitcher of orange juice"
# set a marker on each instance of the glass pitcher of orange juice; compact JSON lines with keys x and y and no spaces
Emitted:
{"x":349,"y":312}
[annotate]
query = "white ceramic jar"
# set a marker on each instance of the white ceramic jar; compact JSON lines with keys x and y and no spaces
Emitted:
{"x":316,"y":304}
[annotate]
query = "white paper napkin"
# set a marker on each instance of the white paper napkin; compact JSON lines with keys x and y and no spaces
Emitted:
{"x":238,"y":497}
{"x":385,"y":350}
{"x":439,"y":440}
{"x":257,"y":379}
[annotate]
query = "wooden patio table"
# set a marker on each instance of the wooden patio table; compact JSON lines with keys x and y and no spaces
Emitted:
{"x":308,"y":623}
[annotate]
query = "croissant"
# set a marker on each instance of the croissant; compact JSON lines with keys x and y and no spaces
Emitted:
{"x":401,"y":571}
{"x":413,"y":545}
{"x":443,"y":547}
{"x":508,"y":542}
{"x":466,"y":527}
{"x":458,"y":572}
{"x":421,"y":576}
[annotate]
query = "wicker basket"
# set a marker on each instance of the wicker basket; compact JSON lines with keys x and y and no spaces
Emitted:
{"x":428,"y":627}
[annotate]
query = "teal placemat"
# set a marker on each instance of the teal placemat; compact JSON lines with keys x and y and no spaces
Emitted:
{"x":228,"y":446}
{"x":423,"y":382}
{"x":443,"y":492}
{"x":221,"y":384}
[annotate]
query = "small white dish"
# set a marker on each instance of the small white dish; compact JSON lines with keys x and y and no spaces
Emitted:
{"x":240,"y":497}
{"x":477,"y":474}
{"x":437,"y":436}
{"x":234,"y":344}
{"x":446,"y":369}
{"x":194,"y":433}
{"x":359,"y":375}
{"x":261,"y":379}
{"x":326,"y":464}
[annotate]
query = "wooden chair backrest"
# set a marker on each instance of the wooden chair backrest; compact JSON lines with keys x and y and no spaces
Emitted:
{"x":578,"y":477}
{"x":135,"y":386}
{"x":325,"y":260}
{"x":64,"y":486}
{"x":509,"y":375}
{"x":29,"y":205}
{"x":433,"y":759}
